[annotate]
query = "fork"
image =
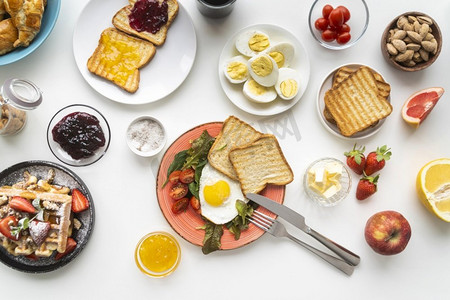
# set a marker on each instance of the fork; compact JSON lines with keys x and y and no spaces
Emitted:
{"x":276,"y":228}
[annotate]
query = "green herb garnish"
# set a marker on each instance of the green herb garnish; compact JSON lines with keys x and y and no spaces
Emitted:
{"x":24,"y":223}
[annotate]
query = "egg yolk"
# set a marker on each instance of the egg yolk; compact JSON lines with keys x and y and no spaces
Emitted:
{"x":256,"y":89}
{"x":217,"y":193}
{"x":237,"y":70}
{"x":262,"y":66}
{"x":288,"y":87}
{"x":278,"y":57}
{"x":258,"y":42}
{"x":158,"y":253}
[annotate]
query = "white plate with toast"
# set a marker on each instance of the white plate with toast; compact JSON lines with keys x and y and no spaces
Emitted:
{"x":160,"y":77}
{"x":300,"y":63}
{"x":332,"y":126}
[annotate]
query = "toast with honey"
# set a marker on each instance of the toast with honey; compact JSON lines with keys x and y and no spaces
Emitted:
{"x":355,"y":103}
{"x":260,"y":163}
{"x":118,"y":58}
{"x":235,"y":133}
{"x":121,"y":21}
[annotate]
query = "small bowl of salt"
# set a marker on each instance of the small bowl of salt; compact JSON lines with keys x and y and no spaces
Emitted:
{"x":146,"y":136}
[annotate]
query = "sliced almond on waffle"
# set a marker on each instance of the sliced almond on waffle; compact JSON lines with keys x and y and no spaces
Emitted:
{"x":355,"y":104}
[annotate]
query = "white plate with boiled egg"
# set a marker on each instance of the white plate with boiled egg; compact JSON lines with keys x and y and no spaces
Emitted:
{"x":264,"y":69}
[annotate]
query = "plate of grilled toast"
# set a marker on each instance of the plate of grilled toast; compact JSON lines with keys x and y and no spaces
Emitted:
{"x":239,"y":141}
{"x":49,"y":215}
{"x":23,"y":28}
{"x":134,"y":66}
{"x":353,"y":101}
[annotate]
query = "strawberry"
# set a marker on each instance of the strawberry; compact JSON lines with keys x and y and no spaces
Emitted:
{"x":5,"y":227}
{"x":71,"y":245}
{"x":21,"y":204}
{"x":367,"y":186}
{"x":79,"y":201}
{"x":356,"y":160}
{"x":377,"y":159}
{"x":39,"y":231}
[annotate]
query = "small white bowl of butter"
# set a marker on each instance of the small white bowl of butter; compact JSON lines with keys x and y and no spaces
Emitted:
{"x":327,"y":181}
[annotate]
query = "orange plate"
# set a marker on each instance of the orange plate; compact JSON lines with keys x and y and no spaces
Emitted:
{"x":186,"y":223}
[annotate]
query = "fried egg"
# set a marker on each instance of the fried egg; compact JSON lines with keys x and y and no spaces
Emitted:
{"x":236,"y":69}
{"x":258,"y":93}
{"x":282,"y":53}
{"x":218,"y":195}
{"x":288,"y":83}
{"x":263,"y":69}
{"x":252,"y":42}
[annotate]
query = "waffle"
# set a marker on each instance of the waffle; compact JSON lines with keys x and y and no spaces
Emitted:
{"x":122,"y":22}
{"x":234,"y":133}
{"x":355,"y":103}
{"x":118,"y":58}
{"x":260,"y":163}
{"x":57,"y":210}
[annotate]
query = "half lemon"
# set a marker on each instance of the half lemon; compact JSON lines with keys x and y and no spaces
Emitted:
{"x":433,"y":187}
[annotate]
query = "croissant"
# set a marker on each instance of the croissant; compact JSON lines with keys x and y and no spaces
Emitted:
{"x":2,"y":10}
{"x":27,"y":16}
{"x":8,"y":35}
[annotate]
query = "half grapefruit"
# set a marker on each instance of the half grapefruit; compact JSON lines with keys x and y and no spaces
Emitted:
{"x":420,"y":104}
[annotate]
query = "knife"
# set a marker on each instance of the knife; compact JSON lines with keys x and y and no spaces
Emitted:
{"x":298,"y":221}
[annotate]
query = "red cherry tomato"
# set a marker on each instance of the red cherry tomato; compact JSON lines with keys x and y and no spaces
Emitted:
{"x":195,"y":203}
{"x":321,"y":24}
{"x":174,"y":177}
{"x":336,"y":18}
{"x":329,"y":35}
{"x":187,"y":175}
{"x":345,"y":12}
{"x":326,"y":10}
{"x":180,"y":205}
{"x":344,"y":28}
{"x":343,"y":38}
{"x":178,"y":191}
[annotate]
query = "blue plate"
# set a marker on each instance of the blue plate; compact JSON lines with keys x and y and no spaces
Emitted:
{"x":48,"y":22}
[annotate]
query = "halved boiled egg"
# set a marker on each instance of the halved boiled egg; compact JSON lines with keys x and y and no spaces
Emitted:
{"x":288,"y":83}
{"x":282,"y":53}
{"x":252,"y":42}
{"x":263,"y":69}
{"x":236,"y":69}
{"x":258,"y":93}
{"x":218,"y":195}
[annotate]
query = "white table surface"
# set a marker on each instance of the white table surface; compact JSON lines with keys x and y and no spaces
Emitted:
{"x":269,"y":268}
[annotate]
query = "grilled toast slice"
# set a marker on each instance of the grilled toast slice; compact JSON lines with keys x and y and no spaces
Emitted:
{"x":118,"y":58}
{"x":234,"y":133}
{"x":355,"y":103}
{"x":122,"y":22}
{"x":260,"y":163}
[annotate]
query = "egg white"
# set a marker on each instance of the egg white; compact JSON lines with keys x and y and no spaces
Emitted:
{"x":243,"y":39}
{"x":285,"y":48}
{"x":286,"y":74}
{"x":269,"y":95}
{"x":268,"y":80}
{"x":238,"y":59}
{"x":227,"y":210}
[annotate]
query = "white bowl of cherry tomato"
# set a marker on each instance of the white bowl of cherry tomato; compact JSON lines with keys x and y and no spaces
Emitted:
{"x":338,"y":24}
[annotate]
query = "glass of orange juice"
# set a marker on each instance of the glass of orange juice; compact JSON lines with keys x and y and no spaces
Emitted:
{"x":157,"y":254}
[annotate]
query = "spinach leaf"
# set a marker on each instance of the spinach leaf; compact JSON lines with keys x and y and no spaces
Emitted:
{"x":213,"y":234}
{"x":195,"y":185}
{"x":177,"y":164}
{"x":240,"y":222}
{"x":199,"y":150}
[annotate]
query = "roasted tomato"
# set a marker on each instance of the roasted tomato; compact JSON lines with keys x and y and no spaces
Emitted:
{"x":180,"y":205}
{"x":187,"y":175}
{"x":178,"y":191}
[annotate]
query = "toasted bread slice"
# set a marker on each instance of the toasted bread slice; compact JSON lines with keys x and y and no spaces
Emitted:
{"x":260,"y":163}
{"x":234,"y":133}
{"x":118,"y":58}
{"x":355,"y":103}
{"x":340,"y":75}
{"x":122,"y":22}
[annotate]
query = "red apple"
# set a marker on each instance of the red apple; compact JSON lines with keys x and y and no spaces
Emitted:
{"x":387,"y":232}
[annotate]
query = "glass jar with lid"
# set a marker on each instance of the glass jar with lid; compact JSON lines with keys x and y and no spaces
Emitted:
{"x":16,"y":97}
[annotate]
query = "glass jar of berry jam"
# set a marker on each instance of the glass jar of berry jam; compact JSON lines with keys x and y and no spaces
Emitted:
{"x":16,"y":97}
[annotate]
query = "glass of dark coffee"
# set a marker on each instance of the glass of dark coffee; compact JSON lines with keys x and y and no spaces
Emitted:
{"x":215,"y":8}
